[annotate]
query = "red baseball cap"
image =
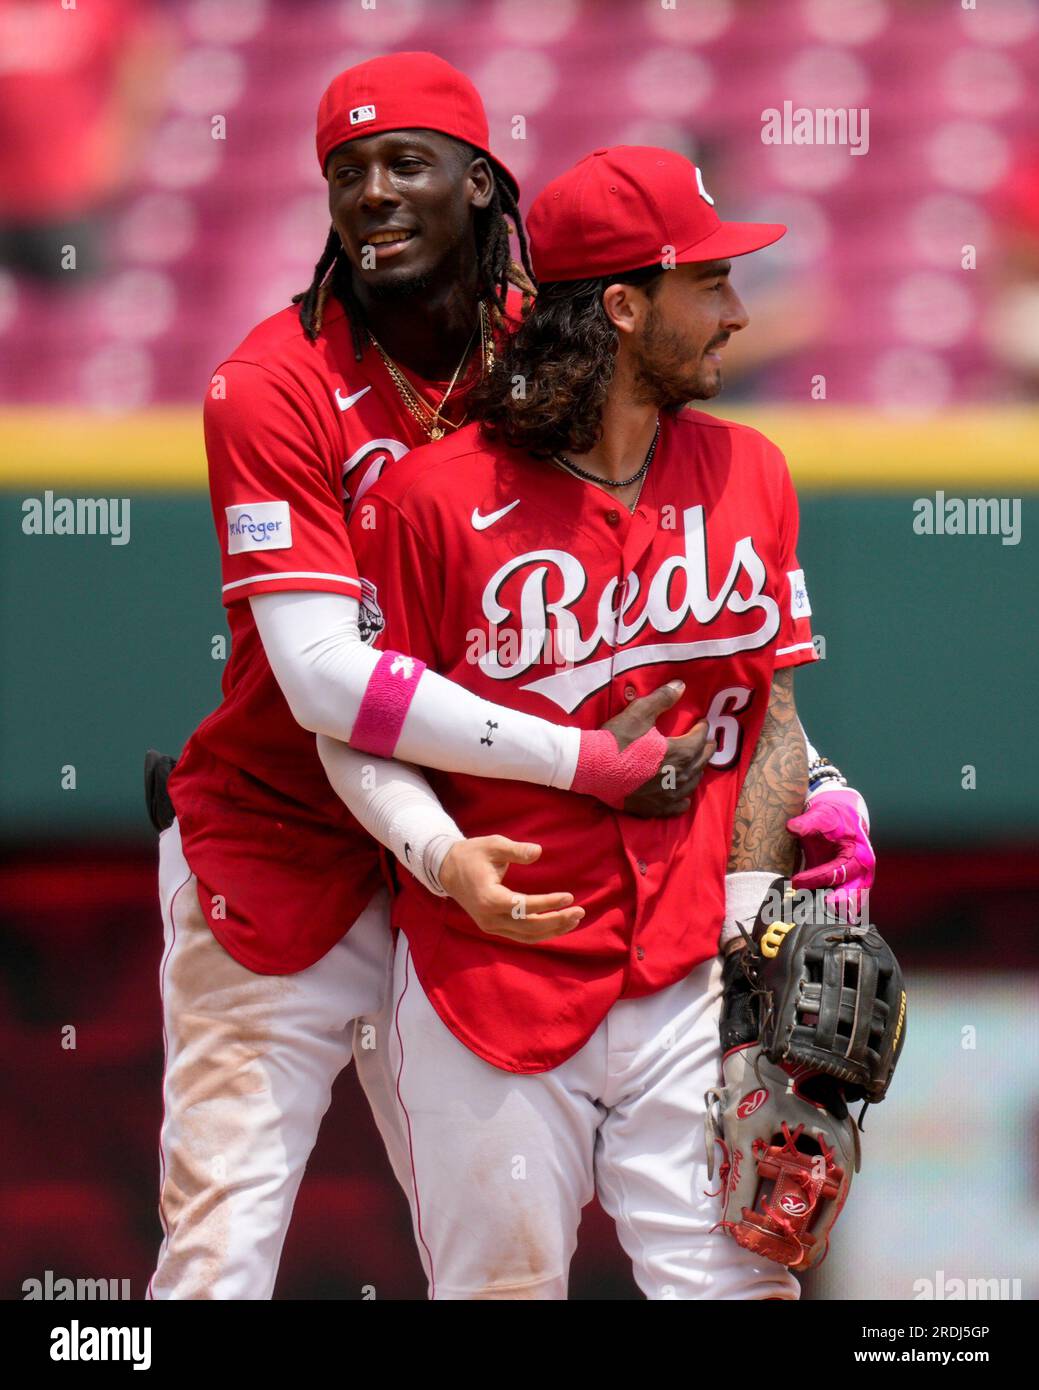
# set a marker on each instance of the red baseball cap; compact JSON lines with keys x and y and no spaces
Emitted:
{"x":404,"y":91}
{"x":632,"y":206}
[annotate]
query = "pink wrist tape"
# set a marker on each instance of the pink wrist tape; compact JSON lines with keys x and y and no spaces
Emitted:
{"x":387,"y":697}
{"x":609,"y":775}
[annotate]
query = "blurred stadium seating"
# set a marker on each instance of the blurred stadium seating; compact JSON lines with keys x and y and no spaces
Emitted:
{"x":930,"y":373}
{"x":205,"y":236}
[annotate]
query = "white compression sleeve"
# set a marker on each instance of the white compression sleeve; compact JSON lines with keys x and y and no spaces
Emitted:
{"x":744,"y":894}
{"x":315,"y":650}
{"x":395,"y":804}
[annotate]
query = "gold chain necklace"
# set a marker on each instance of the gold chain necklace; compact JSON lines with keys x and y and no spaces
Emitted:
{"x":429,"y":418}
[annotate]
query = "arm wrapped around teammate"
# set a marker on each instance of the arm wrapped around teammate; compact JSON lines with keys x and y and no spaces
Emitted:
{"x":390,"y":705}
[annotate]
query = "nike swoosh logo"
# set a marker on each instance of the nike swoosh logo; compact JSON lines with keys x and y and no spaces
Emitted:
{"x":480,"y":523}
{"x":345,"y":402}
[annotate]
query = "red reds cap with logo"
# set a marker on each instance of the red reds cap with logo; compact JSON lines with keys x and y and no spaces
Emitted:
{"x":632,"y":206}
{"x":404,"y":91}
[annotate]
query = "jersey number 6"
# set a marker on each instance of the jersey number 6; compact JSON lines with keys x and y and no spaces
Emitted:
{"x":724,"y":727}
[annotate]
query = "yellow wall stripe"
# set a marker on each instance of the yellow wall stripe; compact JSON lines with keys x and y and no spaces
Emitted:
{"x":830,"y":448}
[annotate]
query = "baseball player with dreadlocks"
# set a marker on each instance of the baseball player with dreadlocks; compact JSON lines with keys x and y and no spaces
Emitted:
{"x":275,"y":918}
{"x":275,"y":915}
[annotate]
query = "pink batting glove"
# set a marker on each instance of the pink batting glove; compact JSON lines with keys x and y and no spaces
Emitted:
{"x":834,"y":833}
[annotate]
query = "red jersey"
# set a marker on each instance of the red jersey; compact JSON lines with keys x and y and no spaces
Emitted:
{"x":535,"y":589}
{"x":295,"y":432}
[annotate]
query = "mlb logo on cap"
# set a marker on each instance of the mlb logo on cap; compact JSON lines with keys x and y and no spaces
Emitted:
{"x":404,"y":91}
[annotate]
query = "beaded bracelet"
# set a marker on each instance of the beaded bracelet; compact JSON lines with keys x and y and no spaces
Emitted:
{"x":821,"y":771}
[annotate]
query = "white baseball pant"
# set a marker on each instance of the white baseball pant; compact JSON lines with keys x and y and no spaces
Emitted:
{"x":502,"y":1164}
{"x":250,"y":1062}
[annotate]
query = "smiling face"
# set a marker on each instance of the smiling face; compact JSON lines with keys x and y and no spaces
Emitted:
{"x":402,"y":203}
{"x":677,"y":338}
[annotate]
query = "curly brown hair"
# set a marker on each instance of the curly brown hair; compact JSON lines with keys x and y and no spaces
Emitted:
{"x":548,"y":386}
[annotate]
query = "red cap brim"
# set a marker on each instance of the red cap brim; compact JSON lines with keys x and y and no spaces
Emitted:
{"x":731,"y":239}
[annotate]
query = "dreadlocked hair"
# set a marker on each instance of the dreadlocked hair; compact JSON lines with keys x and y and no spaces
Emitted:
{"x":563,"y":358}
{"x":496,"y":269}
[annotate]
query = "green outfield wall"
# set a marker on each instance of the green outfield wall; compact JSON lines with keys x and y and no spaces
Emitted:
{"x":931,"y":660}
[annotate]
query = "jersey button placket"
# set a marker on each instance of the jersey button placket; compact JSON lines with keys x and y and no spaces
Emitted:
{"x":641,"y":895}
{"x":638,"y":541}
{"x":612,"y":518}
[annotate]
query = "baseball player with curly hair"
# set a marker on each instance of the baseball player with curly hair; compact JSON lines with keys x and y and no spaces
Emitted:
{"x":592,"y":538}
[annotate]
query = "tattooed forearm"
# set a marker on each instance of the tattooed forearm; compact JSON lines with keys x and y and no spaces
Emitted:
{"x":775,"y":789}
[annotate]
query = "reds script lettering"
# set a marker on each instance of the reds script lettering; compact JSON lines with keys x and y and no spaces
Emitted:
{"x":617,"y":626}
{"x":364,"y":467}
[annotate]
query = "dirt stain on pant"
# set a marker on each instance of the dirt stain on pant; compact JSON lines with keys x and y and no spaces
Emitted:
{"x":524,"y":1261}
{"x":218,"y":1019}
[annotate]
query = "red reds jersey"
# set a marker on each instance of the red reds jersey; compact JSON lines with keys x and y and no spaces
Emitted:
{"x":295,"y":432}
{"x":535,"y":589}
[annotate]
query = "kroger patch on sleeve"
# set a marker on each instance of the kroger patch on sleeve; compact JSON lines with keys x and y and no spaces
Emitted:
{"x":258,"y":526}
{"x":799,"y":605}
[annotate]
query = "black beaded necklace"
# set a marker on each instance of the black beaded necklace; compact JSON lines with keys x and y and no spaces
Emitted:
{"x":612,"y":482}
